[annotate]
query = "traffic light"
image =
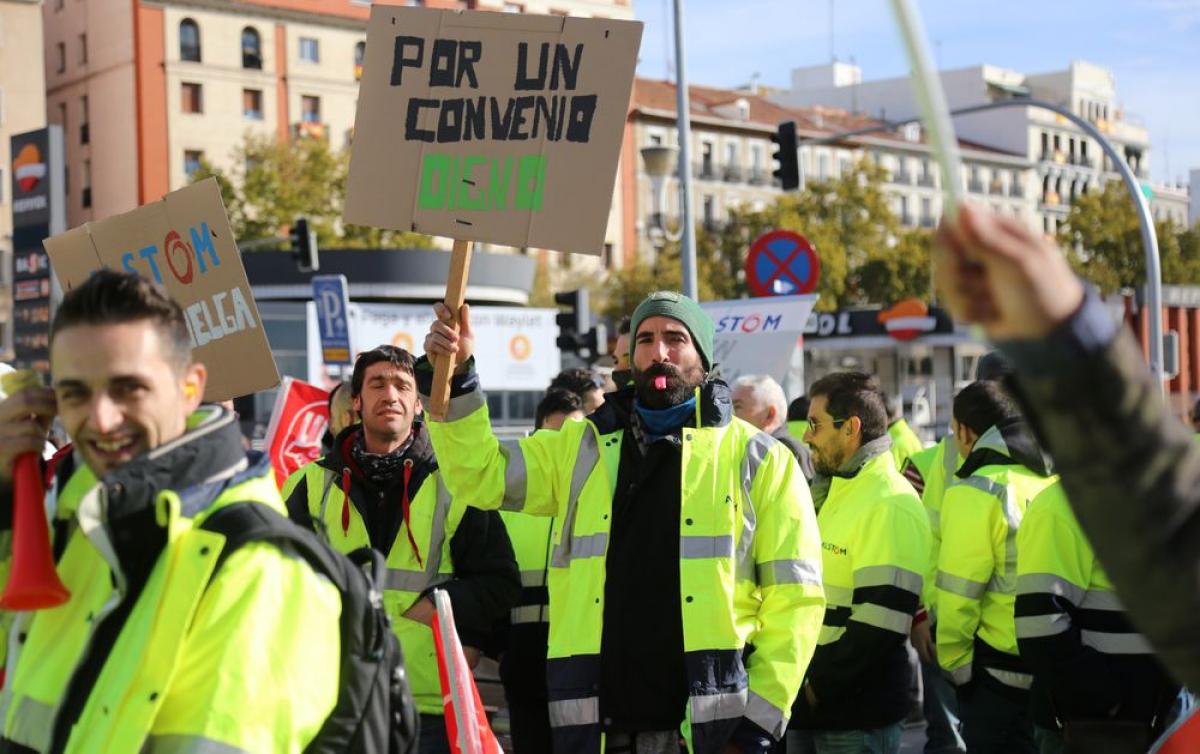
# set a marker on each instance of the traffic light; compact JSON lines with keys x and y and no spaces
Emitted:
{"x":304,"y":246}
{"x":785,"y":155}
{"x":576,"y":334}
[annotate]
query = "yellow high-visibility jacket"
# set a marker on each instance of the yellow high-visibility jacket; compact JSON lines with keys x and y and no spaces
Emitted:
{"x":977,"y":565}
{"x":904,"y":442}
{"x":175,"y":657}
{"x":749,"y":558}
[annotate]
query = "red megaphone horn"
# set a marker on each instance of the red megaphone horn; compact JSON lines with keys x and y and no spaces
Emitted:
{"x":33,"y":582}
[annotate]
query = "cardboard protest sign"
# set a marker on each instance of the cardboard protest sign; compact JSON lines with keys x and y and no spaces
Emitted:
{"x":185,"y":243}
{"x":496,"y":127}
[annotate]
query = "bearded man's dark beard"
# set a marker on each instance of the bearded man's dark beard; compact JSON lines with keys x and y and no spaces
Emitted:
{"x":680,"y":385}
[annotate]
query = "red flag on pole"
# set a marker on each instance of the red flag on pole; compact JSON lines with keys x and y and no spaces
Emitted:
{"x":1181,"y":738}
{"x":466,"y":723}
{"x":298,"y":423}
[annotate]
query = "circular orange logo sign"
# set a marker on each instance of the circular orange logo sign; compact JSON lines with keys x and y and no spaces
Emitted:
{"x":520,"y":347}
{"x":403,"y":340}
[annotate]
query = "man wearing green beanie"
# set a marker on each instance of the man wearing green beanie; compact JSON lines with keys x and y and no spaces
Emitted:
{"x":684,"y":580}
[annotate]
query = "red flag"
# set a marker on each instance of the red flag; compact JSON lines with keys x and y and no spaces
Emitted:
{"x":1181,"y":738}
{"x":298,"y":423}
{"x":466,"y":724}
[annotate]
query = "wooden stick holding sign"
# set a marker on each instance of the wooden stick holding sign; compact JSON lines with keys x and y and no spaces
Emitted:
{"x":456,"y":296}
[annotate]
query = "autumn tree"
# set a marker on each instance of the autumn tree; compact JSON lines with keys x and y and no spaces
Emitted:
{"x":1103,"y":240}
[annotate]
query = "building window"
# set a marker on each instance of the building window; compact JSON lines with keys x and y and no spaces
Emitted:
{"x":62,"y":115}
{"x":706,"y":159}
{"x":606,"y":256}
{"x":513,"y":8}
{"x":756,"y":154}
{"x":360,"y":55}
{"x":710,"y":211}
{"x":310,"y":50}
{"x":189,"y":40}
{"x":86,"y":194}
{"x":656,"y":140}
{"x":191,"y":98}
{"x":1045,"y":155}
{"x":84,"y":130}
{"x":310,"y":109}
{"x":252,"y":104}
{"x":61,"y":48}
{"x":823,"y":166}
{"x":191,"y":162}
{"x":83,"y":49}
{"x":251,"y":49}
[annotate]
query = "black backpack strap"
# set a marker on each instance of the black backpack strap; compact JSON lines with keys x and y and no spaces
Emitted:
{"x":241,"y":523}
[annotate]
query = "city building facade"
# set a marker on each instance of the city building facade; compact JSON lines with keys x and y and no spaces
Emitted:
{"x":733,"y":158}
{"x":1067,"y":161}
{"x":22,"y":108}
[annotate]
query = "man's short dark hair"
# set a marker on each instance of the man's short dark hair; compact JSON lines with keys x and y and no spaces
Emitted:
{"x":798,"y":409}
{"x":983,"y":404}
{"x":556,"y":401}
{"x":579,"y":381}
{"x":854,"y":394}
{"x":623,"y":326}
{"x":397,"y":357}
{"x":109,"y":297}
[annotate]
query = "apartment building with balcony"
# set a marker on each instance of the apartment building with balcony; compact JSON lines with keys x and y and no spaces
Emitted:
{"x":733,"y":158}
{"x":1067,"y":161}
{"x":146,"y":91}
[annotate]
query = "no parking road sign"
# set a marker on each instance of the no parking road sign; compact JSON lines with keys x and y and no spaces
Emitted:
{"x":782,"y":263}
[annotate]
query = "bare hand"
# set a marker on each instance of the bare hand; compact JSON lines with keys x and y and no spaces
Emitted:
{"x":922,"y":641}
{"x":443,"y":340}
{"x":995,"y":271}
{"x":25,"y":418}
{"x":422,"y":611}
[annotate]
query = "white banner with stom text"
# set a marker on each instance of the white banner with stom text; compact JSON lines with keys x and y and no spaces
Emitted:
{"x":514,"y":346}
{"x":758,"y":335}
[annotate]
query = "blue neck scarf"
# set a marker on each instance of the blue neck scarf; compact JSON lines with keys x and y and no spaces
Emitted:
{"x":661,"y":422}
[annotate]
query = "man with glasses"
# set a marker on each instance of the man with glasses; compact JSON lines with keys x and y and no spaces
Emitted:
{"x":875,"y":551}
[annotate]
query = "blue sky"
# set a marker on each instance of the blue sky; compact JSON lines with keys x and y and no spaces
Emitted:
{"x":1152,"y":47}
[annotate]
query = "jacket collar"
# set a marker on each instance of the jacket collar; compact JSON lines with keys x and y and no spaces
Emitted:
{"x":120,"y":514}
{"x":617,"y":412}
{"x":1009,"y":443}
{"x":339,"y":457}
{"x":849,"y":469}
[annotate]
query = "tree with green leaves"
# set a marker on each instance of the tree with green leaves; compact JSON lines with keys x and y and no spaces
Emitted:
{"x":865,"y":256}
{"x":278,"y":181}
{"x":1103,"y":240}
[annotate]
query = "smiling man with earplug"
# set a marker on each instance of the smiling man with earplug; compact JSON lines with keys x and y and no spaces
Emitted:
{"x":164,"y":643}
{"x":683,"y":537}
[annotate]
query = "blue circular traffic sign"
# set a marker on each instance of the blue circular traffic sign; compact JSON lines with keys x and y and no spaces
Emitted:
{"x":782,"y":263}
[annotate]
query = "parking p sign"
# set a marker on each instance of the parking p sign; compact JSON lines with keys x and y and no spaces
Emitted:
{"x":332,"y":296}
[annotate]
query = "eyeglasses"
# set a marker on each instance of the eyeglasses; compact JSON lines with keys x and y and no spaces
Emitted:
{"x":815,"y":426}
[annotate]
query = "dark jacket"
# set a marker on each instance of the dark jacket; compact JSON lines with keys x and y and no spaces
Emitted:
{"x":1131,"y":471}
{"x":486,"y":581}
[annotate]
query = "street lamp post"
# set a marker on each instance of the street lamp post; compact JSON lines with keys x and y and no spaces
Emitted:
{"x":687,"y":253}
{"x":659,"y":161}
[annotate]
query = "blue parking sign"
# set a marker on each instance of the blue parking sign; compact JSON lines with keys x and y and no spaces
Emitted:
{"x":332,"y":296}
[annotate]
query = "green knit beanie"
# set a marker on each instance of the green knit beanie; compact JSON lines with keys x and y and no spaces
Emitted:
{"x":681,"y":308}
